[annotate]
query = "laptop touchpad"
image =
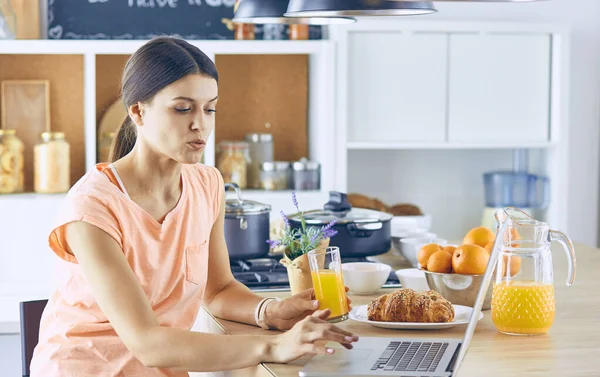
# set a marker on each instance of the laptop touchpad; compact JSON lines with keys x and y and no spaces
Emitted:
{"x":342,"y":354}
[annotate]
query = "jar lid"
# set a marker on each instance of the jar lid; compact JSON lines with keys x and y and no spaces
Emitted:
{"x":304,"y":164}
{"x":233,"y":144}
{"x":7,"y":132}
{"x":259,"y":138}
{"x":275,"y":166}
{"x":355,"y":215}
{"x":52,"y":135}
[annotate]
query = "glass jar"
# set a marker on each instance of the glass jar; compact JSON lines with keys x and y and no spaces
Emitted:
{"x":261,"y":150}
{"x":275,"y":175}
{"x":12,"y":175}
{"x":307,"y":175}
{"x":8,"y":21}
{"x":299,"y":32}
{"x":233,"y":162}
{"x":244,"y":32}
{"x":104,"y":144}
{"x":52,"y":164}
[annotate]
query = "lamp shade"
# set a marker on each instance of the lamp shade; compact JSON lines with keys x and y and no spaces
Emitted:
{"x":356,"y":8}
{"x":477,"y":1}
{"x":272,"y":12}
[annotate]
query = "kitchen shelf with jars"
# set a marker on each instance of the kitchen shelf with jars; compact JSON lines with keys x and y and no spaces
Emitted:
{"x":275,"y":110}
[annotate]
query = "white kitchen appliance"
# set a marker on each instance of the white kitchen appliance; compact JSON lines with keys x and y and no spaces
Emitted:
{"x":514,"y":188}
{"x":385,"y":356}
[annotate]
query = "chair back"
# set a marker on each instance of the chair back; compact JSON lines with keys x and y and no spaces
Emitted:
{"x":31,"y":314}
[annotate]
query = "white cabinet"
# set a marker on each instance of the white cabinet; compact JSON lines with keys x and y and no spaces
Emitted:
{"x":396,"y":86}
{"x":499,"y":88}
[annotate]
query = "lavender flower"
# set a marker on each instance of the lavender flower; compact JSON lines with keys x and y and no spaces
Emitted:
{"x":330,"y":225}
{"x":287,"y":221}
{"x":273,"y":243}
{"x":295,"y":200}
{"x":329,"y":233}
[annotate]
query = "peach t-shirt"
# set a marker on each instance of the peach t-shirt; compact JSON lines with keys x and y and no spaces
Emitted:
{"x":170,"y":261}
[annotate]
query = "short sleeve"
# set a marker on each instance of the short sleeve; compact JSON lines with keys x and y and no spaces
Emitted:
{"x":82,"y":208}
{"x":219,"y":188}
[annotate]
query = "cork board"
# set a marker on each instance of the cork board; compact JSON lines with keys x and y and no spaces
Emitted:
{"x":65,"y":75}
{"x":109,"y":69}
{"x":259,"y":89}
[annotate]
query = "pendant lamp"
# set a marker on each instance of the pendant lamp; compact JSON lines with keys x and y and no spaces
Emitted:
{"x":477,"y":1}
{"x":356,"y":8}
{"x":271,"y":12}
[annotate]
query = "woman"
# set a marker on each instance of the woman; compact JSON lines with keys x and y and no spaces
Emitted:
{"x":143,"y":246}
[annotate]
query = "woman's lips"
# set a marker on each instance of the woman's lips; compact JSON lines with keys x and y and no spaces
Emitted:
{"x":196,"y":145}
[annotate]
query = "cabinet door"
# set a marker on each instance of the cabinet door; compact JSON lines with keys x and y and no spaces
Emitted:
{"x":397,"y":86}
{"x":499,"y":88}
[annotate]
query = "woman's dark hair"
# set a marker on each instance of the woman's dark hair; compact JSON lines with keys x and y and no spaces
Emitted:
{"x":157,"y":64}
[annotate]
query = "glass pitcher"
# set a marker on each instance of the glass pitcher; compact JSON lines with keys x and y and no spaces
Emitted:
{"x":523,"y":291}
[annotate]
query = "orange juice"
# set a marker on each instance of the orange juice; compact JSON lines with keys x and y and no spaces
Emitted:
{"x":330,"y":291}
{"x":523,"y":307}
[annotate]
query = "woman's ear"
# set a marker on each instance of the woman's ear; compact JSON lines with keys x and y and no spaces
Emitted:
{"x":136,"y":113}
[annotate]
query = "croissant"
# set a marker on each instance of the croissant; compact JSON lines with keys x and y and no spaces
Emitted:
{"x":406,"y":305}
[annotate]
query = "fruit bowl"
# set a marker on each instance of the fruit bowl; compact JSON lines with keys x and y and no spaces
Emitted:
{"x":459,"y":289}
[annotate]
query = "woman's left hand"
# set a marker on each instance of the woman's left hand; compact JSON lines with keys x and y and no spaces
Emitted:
{"x":283,"y":315}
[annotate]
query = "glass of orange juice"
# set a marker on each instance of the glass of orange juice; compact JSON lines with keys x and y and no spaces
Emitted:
{"x":328,"y":282}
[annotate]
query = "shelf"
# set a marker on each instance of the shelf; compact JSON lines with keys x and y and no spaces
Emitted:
{"x":120,"y":47}
{"x":356,"y":145}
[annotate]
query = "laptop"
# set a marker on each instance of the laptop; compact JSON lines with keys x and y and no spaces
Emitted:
{"x":404,"y":357}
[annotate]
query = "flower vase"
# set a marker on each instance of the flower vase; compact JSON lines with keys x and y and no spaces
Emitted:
{"x":298,"y":270}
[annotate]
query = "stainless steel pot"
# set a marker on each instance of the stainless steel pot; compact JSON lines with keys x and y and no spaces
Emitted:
{"x":361,"y":232}
{"x":246,"y":226}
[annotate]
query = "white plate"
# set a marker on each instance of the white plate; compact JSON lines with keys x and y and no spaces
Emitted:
{"x":461,"y":317}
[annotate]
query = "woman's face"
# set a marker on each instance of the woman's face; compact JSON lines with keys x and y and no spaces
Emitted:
{"x":179,"y":119}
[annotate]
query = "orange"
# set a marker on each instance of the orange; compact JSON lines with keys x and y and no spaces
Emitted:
{"x":489,"y":247}
{"x":440,"y":261}
{"x":470,"y":260}
{"x":425,"y":252}
{"x":479,"y":236}
{"x":514,"y":266}
{"x":449,"y":249}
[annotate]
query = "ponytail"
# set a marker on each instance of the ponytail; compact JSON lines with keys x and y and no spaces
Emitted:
{"x":124,"y":140}
{"x":158,"y":63}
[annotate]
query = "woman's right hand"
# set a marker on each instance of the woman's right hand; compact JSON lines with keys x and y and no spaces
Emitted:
{"x":301,"y":339}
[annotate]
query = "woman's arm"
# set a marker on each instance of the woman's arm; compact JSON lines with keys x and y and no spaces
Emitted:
{"x":222,"y":289}
{"x":123,"y":301}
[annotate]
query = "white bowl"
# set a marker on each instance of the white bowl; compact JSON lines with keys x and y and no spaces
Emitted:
{"x":413,"y":278}
{"x":411,"y":222}
{"x":365,"y":278}
{"x":410,"y":246}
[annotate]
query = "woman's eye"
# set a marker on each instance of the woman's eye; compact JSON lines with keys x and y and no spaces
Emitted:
{"x":182,"y":110}
{"x":211,"y":110}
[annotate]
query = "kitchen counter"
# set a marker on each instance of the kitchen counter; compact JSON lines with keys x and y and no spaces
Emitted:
{"x":571,"y":347}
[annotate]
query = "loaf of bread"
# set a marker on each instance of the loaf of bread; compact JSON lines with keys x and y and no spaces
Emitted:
{"x":401,"y":209}
{"x":406,"y":305}
{"x":405,"y":209}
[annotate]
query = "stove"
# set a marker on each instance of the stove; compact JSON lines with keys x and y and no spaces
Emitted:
{"x":268,"y":275}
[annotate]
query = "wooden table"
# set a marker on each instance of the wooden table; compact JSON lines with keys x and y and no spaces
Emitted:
{"x":571,"y":347}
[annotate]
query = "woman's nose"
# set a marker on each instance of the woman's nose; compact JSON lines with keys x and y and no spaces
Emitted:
{"x":198,"y":125}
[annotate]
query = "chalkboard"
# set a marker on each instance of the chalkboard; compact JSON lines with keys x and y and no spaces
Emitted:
{"x":145,"y":19}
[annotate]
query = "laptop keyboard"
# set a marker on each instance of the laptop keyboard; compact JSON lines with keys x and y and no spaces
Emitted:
{"x":411,"y":356}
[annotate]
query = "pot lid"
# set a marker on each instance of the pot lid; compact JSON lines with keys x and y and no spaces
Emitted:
{"x":240,"y":206}
{"x":245,"y":207}
{"x":356,"y":215}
